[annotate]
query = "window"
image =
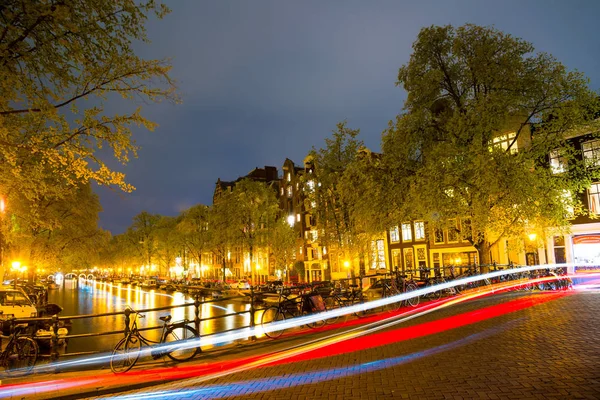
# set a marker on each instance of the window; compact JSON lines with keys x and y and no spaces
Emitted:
{"x":406,"y":232}
{"x":504,"y":141}
{"x":298,"y":217}
{"x":558,"y":162}
{"x":567,"y":201}
{"x":419,"y":230}
{"x":408,"y":259}
{"x":282,"y":191}
{"x":396,"y":259}
{"x":559,"y":250}
{"x":394,"y":236}
{"x":289,"y":177}
{"x":439,"y":236}
{"x":300,"y":250}
{"x":591,"y":153}
{"x":290,"y":191}
{"x":594,"y":198}
{"x":452,"y":231}
{"x":466,"y":230}
{"x":311,"y":185}
{"x":377,"y":254}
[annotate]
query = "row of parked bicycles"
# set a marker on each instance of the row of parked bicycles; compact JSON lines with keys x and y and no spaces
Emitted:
{"x":324,"y":296}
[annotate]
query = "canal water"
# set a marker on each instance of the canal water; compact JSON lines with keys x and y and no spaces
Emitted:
{"x":102,"y":297}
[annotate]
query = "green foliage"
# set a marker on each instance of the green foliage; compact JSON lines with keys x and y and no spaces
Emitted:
{"x":59,"y":63}
{"x":332,"y":210}
{"x":282,"y":243}
{"x":193,"y":227}
{"x":466,"y":87}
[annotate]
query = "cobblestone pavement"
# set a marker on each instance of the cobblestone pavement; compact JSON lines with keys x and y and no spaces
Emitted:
{"x":538,"y":345}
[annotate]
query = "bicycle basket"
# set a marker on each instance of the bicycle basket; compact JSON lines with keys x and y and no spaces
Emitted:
{"x":314,"y":303}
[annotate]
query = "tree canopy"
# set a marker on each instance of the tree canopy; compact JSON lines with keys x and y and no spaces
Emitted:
{"x":482,"y":114}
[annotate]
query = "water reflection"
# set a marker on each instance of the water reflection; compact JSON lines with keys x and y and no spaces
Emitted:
{"x":103,"y":297}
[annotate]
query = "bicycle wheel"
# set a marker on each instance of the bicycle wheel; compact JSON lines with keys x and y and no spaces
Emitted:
{"x":272,"y":314}
{"x":435,"y":295}
{"x":184,"y":351}
{"x":395,"y":306}
{"x":125,"y":354}
{"x":363,"y":312}
{"x":20,"y":356}
{"x":331,"y":304}
{"x":414,"y":300}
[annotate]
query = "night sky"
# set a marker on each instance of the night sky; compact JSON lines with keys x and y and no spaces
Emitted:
{"x":262,"y":81}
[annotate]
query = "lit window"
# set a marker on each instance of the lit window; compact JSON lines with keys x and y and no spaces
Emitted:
{"x":591,"y":153}
{"x":313,"y":204}
{"x":439,"y":235}
{"x":406,"y":232}
{"x":282,"y":191}
{"x":594,"y":198}
{"x":290,"y":191}
{"x":377,"y":254}
{"x":419,"y":230}
{"x":504,"y":141}
{"x":300,"y":250}
{"x":311,"y":184}
{"x":289,"y":177}
{"x":558,"y":162}
{"x":298,"y":217}
{"x":452,"y":231}
{"x":314,"y":235}
{"x":567,"y":200}
{"x":394,"y":235}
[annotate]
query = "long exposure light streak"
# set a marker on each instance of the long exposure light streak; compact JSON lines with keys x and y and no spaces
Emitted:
{"x":287,"y":381}
{"x":325,"y":347}
{"x":244,"y":333}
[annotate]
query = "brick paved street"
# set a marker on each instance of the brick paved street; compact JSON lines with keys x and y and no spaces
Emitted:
{"x":544,"y":350}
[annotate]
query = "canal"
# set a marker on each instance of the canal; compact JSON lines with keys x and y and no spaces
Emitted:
{"x":103,"y":297}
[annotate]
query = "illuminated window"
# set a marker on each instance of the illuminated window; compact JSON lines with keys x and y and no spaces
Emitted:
{"x":504,"y":141}
{"x":567,"y":200}
{"x":594,"y":198}
{"x":558,"y":162}
{"x":300,"y":250}
{"x":394,"y":235}
{"x":298,"y":217}
{"x":591,"y":153}
{"x":452,"y":231}
{"x":289,"y":177}
{"x":311,"y":185}
{"x":419,"y":230}
{"x":282,"y":191}
{"x":439,"y":236}
{"x":290,"y":191}
{"x":377,"y":254}
{"x":406,"y":232}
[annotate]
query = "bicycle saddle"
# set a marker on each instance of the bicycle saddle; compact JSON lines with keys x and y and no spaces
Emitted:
{"x":166,"y":318}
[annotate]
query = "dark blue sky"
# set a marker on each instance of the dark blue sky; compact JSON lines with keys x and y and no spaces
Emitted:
{"x":262,"y":81}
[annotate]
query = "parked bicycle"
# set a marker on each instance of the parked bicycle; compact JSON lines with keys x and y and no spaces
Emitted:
{"x":290,"y":306}
{"x":21,"y":352}
{"x":127,"y":351}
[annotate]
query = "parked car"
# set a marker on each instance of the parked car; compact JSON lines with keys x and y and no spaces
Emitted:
{"x":14,"y":303}
{"x":242,"y":284}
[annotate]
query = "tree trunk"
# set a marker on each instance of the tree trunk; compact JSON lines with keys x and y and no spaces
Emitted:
{"x":485,"y":258}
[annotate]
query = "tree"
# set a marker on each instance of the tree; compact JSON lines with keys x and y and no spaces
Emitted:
{"x":256,"y":210}
{"x":143,"y":235}
{"x":193,"y":225}
{"x":60,"y":62}
{"x":283,"y":245}
{"x":169,"y":244}
{"x":331,"y":209}
{"x":224,"y":233}
{"x":483,"y":111}
{"x":69,"y":236}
